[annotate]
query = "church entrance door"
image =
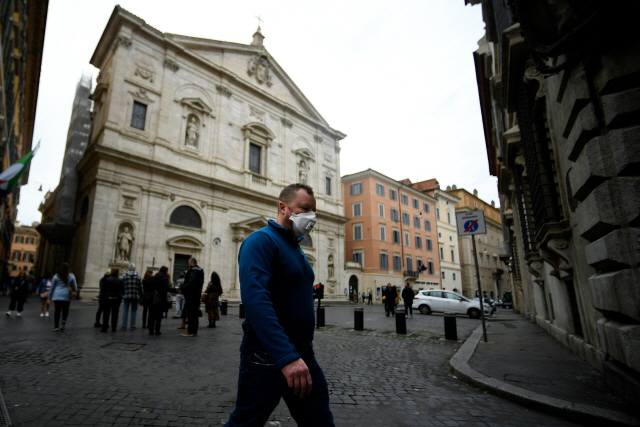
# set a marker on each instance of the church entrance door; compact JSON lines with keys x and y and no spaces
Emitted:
{"x":353,"y":289}
{"x":180,"y":264}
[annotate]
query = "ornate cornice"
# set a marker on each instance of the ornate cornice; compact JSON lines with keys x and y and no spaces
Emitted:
{"x":286,"y":123}
{"x":222,"y":90}
{"x":171,"y":64}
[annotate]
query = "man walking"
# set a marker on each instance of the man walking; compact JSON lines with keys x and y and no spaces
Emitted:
{"x":132,"y":294}
{"x":192,"y":290}
{"x":407,"y":297}
{"x":276,"y":285}
{"x":389,"y":296}
{"x":179,"y":297}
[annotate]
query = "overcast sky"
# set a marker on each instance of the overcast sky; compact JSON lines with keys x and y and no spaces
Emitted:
{"x":396,"y":76}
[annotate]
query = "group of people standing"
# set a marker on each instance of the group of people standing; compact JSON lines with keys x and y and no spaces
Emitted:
{"x":151,"y":291}
{"x":391,"y":297}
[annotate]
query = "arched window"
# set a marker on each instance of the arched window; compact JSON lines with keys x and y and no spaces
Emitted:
{"x":187,"y":216}
{"x":306,"y":242}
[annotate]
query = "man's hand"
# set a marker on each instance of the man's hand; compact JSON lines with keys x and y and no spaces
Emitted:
{"x":298,"y":377}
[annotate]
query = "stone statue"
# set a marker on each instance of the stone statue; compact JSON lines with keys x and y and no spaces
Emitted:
{"x":331,"y":267}
{"x":192,"y":132}
{"x":125,"y":241}
{"x":303,"y":172}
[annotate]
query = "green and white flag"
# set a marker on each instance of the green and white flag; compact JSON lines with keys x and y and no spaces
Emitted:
{"x":9,"y":178}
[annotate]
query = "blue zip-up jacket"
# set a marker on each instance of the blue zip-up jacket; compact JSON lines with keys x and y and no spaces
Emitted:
{"x":276,"y":285}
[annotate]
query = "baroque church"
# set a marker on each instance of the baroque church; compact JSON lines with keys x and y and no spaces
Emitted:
{"x":191,"y":142}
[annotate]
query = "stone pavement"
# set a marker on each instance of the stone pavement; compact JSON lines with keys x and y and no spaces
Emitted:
{"x":522,"y":362}
{"x":83,"y":377}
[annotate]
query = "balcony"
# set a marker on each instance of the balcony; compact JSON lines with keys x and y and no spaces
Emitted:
{"x":411,"y":274}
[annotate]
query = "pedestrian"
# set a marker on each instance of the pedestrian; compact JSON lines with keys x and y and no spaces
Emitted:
{"x":112,"y":291}
{"x":192,"y":291}
{"x":63,"y":289}
{"x":43,"y":291}
{"x":132,"y":294}
{"x":169,"y":296}
{"x":389,"y":298}
{"x":31,"y":281}
{"x":370,"y":302}
{"x":276,"y":285}
{"x":160,"y":287}
{"x":407,"y":297}
{"x":6,"y":283}
{"x":363,"y":297}
{"x":101,"y":300}
{"x":397,"y":296}
{"x":19,"y":291}
{"x":179,"y":297}
{"x":212,"y":300}
{"x":147,"y":295}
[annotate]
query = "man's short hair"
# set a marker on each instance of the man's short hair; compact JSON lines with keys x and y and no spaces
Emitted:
{"x":132,"y":267}
{"x":164,"y":269}
{"x":290,"y":192}
{"x":193,"y":260}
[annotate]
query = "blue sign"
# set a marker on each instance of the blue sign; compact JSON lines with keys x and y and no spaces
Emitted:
{"x":471,"y":226}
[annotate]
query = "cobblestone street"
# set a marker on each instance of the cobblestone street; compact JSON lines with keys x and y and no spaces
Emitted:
{"x":83,"y":377}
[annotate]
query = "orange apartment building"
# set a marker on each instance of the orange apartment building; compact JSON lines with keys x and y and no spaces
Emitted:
{"x":23,"y":249}
{"x":391,"y":233}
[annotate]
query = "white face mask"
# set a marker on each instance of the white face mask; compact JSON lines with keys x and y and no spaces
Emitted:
{"x":303,"y":222}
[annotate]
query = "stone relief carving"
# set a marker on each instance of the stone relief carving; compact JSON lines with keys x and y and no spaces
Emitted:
{"x":128,"y":202}
{"x":122,"y":41}
{"x":534,"y":265}
{"x":142,"y":93}
{"x":124,"y":243}
{"x":302,"y":171}
{"x":328,"y":158}
{"x":317,"y":138}
{"x":144,"y":74}
{"x":191,"y":138}
{"x":286,"y":123}
{"x":532,"y":73}
{"x":171,"y":64}
{"x":223,"y":91}
{"x":556,"y":253}
{"x":259,"y":67}
{"x":336,"y":148}
{"x":254,"y":112}
{"x":331,"y":272}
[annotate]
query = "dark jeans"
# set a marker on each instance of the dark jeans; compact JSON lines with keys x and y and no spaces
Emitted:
{"x":155,"y":318}
{"x":100,"y":310}
{"x":192,"y":305}
{"x":145,"y":311}
{"x":261,"y":385}
{"x":16,"y":299}
{"x":111,"y":306}
{"x":390,"y":308}
{"x":408,"y":307}
{"x":60,"y":307}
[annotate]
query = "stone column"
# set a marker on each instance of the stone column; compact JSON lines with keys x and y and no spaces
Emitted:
{"x":235,"y":291}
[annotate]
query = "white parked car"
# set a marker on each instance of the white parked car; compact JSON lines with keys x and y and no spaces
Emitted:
{"x":444,"y":301}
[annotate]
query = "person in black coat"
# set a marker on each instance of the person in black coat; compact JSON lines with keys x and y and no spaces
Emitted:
{"x":407,"y":296}
{"x":389,"y":295}
{"x":147,"y":295}
{"x":159,"y":300}
{"x":192,"y":290}
{"x":19,"y":291}
{"x":101,"y":300}
{"x":111,"y":290}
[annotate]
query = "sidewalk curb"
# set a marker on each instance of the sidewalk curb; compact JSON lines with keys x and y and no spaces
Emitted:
{"x":587,"y":414}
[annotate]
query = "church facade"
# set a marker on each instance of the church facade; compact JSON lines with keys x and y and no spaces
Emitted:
{"x":191,"y":142}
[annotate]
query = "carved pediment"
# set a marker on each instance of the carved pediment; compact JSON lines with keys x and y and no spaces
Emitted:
{"x":197,"y":104}
{"x":243,"y":228}
{"x":185,"y":241}
{"x":306,"y":153}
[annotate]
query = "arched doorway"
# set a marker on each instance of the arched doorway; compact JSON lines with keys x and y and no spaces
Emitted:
{"x":353,"y":289}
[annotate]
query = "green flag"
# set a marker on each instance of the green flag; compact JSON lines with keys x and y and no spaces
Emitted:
{"x":9,"y":178}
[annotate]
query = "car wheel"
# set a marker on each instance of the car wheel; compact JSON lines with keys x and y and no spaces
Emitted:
{"x":474,"y":313}
{"x":425,"y":309}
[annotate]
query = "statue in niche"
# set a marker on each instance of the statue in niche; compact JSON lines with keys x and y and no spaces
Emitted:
{"x":331,"y":267}
{"x":124,"y":243}
{"x":303,"y":172}
{"x":192,"y":133}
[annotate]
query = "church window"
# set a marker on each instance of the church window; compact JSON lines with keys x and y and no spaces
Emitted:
{"x":327,"y":185}
{"x":139,"y":115}
{"x":187,"y":216}
{"x":255,"y":154}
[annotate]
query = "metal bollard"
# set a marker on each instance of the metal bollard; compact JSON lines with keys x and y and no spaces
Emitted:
{"x":358,"y":319}
{"x":241,"y":311}
{"x":401,"y":322}
{"x":320,"y":319}
{"x":450,"y":329}
{"x":223,"y":307}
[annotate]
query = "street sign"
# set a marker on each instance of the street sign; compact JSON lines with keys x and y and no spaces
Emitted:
{"x":471,"y":222}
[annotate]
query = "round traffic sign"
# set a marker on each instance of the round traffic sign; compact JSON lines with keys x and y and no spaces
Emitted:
{"x":471,"y":225}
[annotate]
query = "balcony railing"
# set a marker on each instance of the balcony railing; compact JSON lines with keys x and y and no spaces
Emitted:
{"x":411,"y":273}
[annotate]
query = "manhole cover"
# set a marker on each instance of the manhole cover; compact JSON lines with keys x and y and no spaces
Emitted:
{"x":123,"y":346}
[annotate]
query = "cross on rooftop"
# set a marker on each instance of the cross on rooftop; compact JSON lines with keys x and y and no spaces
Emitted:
{"x":260,"y":21}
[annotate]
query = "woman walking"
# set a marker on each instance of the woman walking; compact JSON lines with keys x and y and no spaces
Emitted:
{"x":19,"y":291}
{"x":212,"y":301}
{"x":147,"y":295}
{"x":63,"y":289}
{"x":43,"y":290}
{"x":111,"y":290}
